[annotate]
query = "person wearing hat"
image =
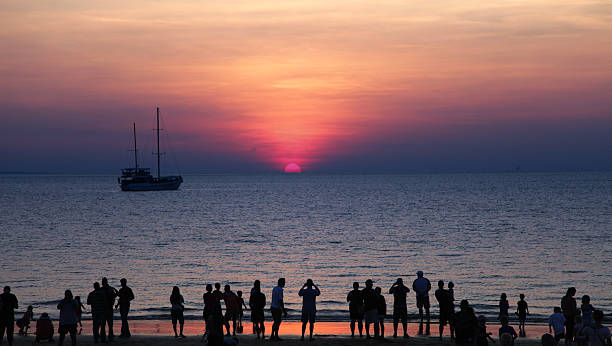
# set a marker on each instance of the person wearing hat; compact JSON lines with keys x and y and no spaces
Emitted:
{"x":421,"y":286}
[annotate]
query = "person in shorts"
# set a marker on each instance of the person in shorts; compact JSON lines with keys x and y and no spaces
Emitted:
{"x":370,"y":303}
{"x":68,"y":318}
{"x":445,"y":302}
{"x":176,"y":311}
{"x":421,"y":286}
{"x":309,"y":293}
{"x":355,"y":300}
{"x":522,"y":310}
{"x":400,"y":311}
{"x":277,"y":307}
{"x":257,"y":303}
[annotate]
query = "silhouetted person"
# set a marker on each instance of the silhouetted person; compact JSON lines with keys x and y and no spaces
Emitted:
{"x":213,"y":315}
{"x":309,"y":293}
{"x":381,"y":307}
{"x":241,"y":304}
{"x":110,"y":294}
{"x":217,"y":292}
{"x":97,"y":300}
{"x":556,"y":323}
{"x":370,"y":303}
{"x":587,"y":311}
{"x":7,"y":314}
{"x":445,"y":302}
{"x":483,"y":336}
{"x":506,"y":329}
{"x":522,"y":310}
{"x":24,"y":322}
{"x":125,"y":297}
{"x":277,"y":307}
{"x":451,"y":324}
{"x":232,"y":305}
{"x":257,"y":303}
{"x":504,"y":306}
{"x":466,"y":325}
{"x":548,"y":340}
{"x":44,"y":328}
{"x":421,"y":286}
{"x":598,"y":334}
{"x":570,"y":309}
{"x":400,"y":311}
{"x":68,"y":318}
{"x":355,"y":300}
{"x":176,"y":311}
{"x":579,"y":336}
{"x":80,"y":308}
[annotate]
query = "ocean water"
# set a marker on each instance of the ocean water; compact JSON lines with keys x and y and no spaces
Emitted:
{"x":488,"y":233}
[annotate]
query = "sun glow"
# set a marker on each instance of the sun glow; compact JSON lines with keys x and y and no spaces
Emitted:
{"x":293,"y":168}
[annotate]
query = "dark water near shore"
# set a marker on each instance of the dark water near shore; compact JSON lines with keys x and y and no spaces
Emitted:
{"x":489,"y":233}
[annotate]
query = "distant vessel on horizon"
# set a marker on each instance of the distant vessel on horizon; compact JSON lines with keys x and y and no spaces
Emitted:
{"x":140,"y":179}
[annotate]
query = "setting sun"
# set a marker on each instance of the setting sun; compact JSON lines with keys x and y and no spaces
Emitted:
{"x":293,"y":168}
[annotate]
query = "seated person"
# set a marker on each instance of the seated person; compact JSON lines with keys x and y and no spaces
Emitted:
{"x":44,"y":328}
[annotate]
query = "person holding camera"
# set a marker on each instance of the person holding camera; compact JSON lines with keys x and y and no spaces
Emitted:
{"x":309,"y":293}
{"x":400,"y":311}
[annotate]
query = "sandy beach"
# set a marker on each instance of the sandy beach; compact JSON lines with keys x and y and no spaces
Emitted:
{"x":156,"y":332}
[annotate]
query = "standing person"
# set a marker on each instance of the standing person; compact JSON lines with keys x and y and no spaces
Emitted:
{"x":176,"y":311}
{"x":277,"y":307}
{"x":587,"y":311}
{"x":213,"y":316}
{"x":598,"y":334}
{"x":68,"y":318}
{"x":240,"y":311}
{"x":257,"y":303}
{"x":451,"y":323}
{"x":381,"y":307}
{"x":466,"y":325}
{"x":80,"y":308}
{"x":556,"y":321}
{"x":504,"y":306}
{"x":110,"y":294}
{"x":570,"y":309}
{"x":421,"y":286}
{"x":400,"y":311}
{"x":355,"y":300}
{"x":125,"y":297}
{"x":232,"y":304}
{"x":7,"y":314}
{"x":370,"y":303}
{"x":444,"y":301}
{"x":507,"y":329}
{"x":24,"y":322}
{"x":522,"y":310}
{"x":309,"y":293}
{"x":97,"y":300}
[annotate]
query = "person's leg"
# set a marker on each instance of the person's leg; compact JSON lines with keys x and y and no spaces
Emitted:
{"x":382,"y":328}
{"x":395,"y":322}
{"x":109,"y":322}
{"x":262,"y":328}
{"x":73,"y":335}
{"x":367,"y":329}
{"x":421,"y":320}
{"x":61,"y":337}
{"x":10,"y":329}
{"x":2,"y":329}
{"x":182,"y":324}
{"x":125,"y":326}
{"x":360,"y":327}
{"x":376,"y":329}
{"x":226,"y":323}
{"x":428,"y":320}
{"x":311,"y":329}
{"x":303,"y":327}
{"x":352,"y":327}
{"x":234,"y":324}
{"x":441,"y":328}
{"x":102,"y":328}
{"x":405,"y":323}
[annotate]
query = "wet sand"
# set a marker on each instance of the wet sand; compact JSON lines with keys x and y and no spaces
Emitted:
{"x":156,"y":332}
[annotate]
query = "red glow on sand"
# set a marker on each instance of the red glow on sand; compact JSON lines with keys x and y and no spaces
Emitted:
{"x":293,"y":168}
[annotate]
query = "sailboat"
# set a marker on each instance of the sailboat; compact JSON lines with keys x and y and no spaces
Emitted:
{"x":140,"y":179}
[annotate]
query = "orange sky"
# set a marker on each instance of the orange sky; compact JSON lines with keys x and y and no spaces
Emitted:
{"x":305,"y":81}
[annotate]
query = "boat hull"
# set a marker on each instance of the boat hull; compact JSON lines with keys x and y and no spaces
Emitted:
{"x":162,"y":184}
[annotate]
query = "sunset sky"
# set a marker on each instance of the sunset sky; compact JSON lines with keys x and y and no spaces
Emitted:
{"x":333,"y":86}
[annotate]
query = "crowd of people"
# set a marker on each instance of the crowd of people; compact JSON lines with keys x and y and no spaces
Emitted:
{"x":367,"y":307}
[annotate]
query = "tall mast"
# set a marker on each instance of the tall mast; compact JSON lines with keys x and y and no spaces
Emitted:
{"x":135,"y":150}
{"x":158,"y":153}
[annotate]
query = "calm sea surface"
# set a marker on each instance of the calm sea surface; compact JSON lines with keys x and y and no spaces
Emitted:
{"x":489,"y":233}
